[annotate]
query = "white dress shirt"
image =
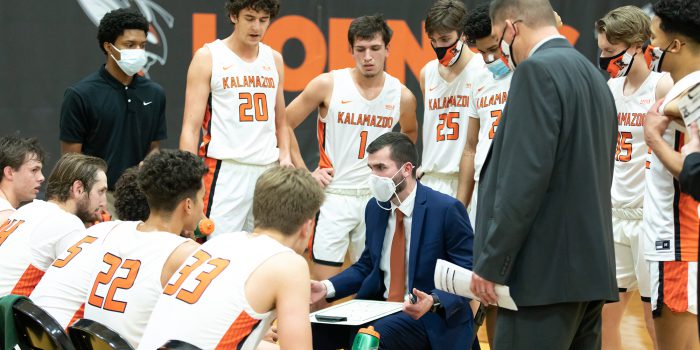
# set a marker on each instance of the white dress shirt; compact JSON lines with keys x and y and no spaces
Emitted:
{"x":406,"y":208}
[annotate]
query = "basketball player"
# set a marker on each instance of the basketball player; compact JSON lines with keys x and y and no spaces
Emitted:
{"x":356,"y":105}
{"x":34,"y":235}
{"x":135,"y":261}
{"x":64,"y":288}
{"x":670,"y":216}
{"x":21,"y":161}
{"x":234,"y":93}
{"x":622,"y":33}
{"x":242,"y":281}
{"x":446,"y":86}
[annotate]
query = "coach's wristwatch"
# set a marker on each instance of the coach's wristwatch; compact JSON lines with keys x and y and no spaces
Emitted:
{"x":437,"y":306}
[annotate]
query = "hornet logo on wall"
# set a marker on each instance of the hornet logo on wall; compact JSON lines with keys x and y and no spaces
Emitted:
{"x":157,"y":48}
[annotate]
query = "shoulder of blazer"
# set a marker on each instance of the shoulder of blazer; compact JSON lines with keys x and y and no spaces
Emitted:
{"x":554,"y":43}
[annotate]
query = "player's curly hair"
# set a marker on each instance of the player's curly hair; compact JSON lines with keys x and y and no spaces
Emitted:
{"x":680,"y":17}
{"x":478,"y":24}
{"x":114,"y":23}
{"x":129,"y":201}
{"x":169,"y":176}
{"x":272,"y":7}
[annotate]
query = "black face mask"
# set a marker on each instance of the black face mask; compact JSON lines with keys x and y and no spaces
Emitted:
{"x":445,"y":59}
{"x":658,"y":56}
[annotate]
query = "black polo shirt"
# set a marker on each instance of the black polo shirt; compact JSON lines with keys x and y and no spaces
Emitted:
{"x":114,"y":122}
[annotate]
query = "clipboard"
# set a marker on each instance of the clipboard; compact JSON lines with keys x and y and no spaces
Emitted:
{"x":355,"y":312}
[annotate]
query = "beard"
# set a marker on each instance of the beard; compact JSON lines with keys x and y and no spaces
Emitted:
{"x":84,"y":213}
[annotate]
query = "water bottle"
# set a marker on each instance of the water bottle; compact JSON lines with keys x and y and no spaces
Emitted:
{"x":366,"y":339}
{"x":204,"y":228}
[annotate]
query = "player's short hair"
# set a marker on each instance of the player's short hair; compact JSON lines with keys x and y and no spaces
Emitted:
{"x":168,"y":177}
{"x":129,"y":201}
{"x":627,"y":24}
{"x":114,"y":23}
{"x":680,"y":17}
{"x":285,"y":198}
{"x":478,"y":24}
{"x":15,"y":151}
{"x":446,"y":16}
{"x":402,"y":149}
{"x":534,"y":13}
{"x":272,"y":7}
{"x":72,"y":167}
{"x":366,"y":27}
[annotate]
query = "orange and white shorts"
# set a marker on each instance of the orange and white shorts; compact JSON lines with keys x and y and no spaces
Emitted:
{"x":675,"y":285}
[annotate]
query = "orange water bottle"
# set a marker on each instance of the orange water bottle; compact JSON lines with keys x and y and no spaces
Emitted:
{"x":205,"y":227}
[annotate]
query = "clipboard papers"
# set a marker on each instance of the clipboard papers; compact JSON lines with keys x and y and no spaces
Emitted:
{"x":689,"y":106}
{"x":457,"y":280}
{"x":356,"y":312}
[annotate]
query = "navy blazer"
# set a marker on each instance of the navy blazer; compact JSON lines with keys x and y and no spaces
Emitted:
{"x":440,"y":230}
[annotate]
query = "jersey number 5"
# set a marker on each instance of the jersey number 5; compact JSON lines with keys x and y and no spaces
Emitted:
{"x":448,"y":128}
{"x":205,"y":277}
{"x":107,"y":278}
{"x":256,"y":103}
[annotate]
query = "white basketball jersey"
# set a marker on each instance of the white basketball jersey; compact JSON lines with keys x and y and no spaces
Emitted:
{"x":631,"y":151}
{"x":125,"y":282}
{"x":671,"y":223}
{"x":353,"y":122}
{"x":445,"y":117}
{"x":63,"y":290}
{"x":239,"y":122}
{"x":5,"y":205}
{"x":487,"y":100}
{"x":211,"y":283}
{"x":30,"y":240}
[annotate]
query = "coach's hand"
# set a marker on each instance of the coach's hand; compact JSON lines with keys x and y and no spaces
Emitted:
{"x":423,"y":304}
{"x":324,"y":176}
{"x":484,"y":290}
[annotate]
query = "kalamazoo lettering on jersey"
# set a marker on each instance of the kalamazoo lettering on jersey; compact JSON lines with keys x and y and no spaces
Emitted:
{"x":631,"y":119}
{"x":365,"y":119}
{"x":248,"y":81}
{"x":448,"y":101}
{"x":495,"y":99}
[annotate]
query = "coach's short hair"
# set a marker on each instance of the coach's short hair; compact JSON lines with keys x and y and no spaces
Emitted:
{"x":72,"y":167}
{"x":169,"y":176}
{"x":272,"y":7}
{"x":15,"y":151}
{"x":680,"y":17}
{"x":129,"y":201}
{"x":627,"y":24}
{"x":446,"y":16}
{"x":114,"y":23}
{"x":478,"y":24}
{"x":534,"y":13}
{"x":402,"y":150}
{"x":285,"y":198}
{"x":366,"y":27}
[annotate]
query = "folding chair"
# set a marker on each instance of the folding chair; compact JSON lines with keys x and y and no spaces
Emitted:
{"x":91,"y":335}
{"x":178,"y":345}
{"x":36,"y":329}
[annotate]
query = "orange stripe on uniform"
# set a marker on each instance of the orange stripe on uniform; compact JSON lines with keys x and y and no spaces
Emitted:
{"x":239,"y":330}
{"x":206,"y":130}
{"x":210,"y":183}
{"x":689,"y":225}
{"x":78,"y":315}
{"x":30,"y":278}
{"x":323,"y":161}
{"x":675,"y":285}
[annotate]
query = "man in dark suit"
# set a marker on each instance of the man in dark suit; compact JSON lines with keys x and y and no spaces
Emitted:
{"x":544,"y":223}
{"x":409,"y":227}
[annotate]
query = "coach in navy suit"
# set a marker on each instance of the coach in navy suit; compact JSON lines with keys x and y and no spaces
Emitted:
{"x":409,"y":227}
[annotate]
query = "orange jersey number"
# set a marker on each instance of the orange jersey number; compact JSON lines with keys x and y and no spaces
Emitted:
{"x":363,"y":145}
{"x":7,"y":228}
{"x":448,"y":128}
{"x":494,"y":125}
{"x":106,"y":278}
{"x":73,"y":251}
{"x":623,"y":146}
{"x":256,"y":103}
{"x":204,"y":277}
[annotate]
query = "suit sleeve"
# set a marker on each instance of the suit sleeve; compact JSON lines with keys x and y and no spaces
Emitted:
{"x":690,"y":176}
{"x":459,"y":238}
{"x":527,"y":157}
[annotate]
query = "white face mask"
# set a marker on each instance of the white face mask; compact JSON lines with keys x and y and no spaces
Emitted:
{"x":383,"y":188}
{"x":133,"y":60}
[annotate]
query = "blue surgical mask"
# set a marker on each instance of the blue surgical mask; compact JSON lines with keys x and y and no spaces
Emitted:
{"x":498,"y":67}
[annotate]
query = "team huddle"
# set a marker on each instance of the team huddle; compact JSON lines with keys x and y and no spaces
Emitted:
{"x":240,"y":165}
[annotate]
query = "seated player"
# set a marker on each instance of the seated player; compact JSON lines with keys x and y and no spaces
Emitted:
{"x":64,"y":288}
{"x":135,"y":262}
{"x":34,"y":235}
{"x":242,"y":281}
{"x":21,"y":161}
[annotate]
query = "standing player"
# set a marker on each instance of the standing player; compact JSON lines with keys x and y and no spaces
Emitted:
{"x":446,"y":86}
{"x":21,"y":161}
{"x":234,"y":93}
{"x":621,"y":36}
{"x":242,"y":281}
{"x":670,"y":216}
{"x":135,"y":261}
{"x":34,"y":235}
{"x":356,"y":105}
